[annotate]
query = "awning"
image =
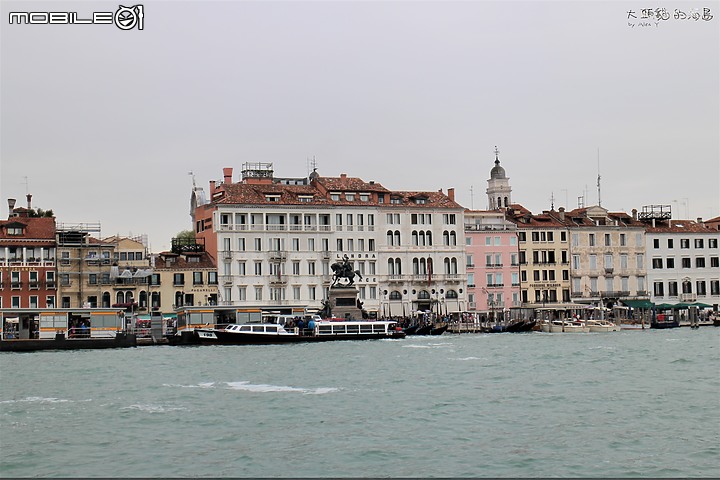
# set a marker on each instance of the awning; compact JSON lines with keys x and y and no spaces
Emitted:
{"x":692,"y":304}
{"x":638,"y":303}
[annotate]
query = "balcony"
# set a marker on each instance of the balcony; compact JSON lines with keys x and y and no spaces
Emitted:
{"x":278,"y":256}
{"x":15,"y":285}
{"x":495,"y":285}
{"x":34,"y":285}
{"x":226,"y":255}
{"x":688,"y":297}
{"x":278,"y":280}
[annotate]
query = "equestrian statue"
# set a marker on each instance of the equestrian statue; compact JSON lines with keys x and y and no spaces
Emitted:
{"x":343,"y":269}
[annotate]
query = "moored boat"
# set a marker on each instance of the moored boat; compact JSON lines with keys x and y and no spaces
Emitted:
{"x":602,"y":326}
{"x":277,"y":333}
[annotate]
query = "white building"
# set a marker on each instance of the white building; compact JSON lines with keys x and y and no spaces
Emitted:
{"x":275,"y":239}
{"x":683,"y":259}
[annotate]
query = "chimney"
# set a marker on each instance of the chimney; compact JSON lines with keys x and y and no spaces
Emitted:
{"x":212,"y":187}
{"x":227,"y":175}
{"x":11,"y":206}
{"x":562,"y":213}
{"x":699,"y":219}
{"x":29,"y":200}
{"x":451,"y":194}
{"x":634,"y":213}
{"x":343,"y":176}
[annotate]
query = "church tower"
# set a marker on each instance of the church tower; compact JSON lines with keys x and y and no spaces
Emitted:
{"x":498,"y":190}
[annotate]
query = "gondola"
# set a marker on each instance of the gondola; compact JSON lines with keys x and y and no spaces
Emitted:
{"x":412,"y":329}
{"x":424,"y":330}
{"x":439,"y":330}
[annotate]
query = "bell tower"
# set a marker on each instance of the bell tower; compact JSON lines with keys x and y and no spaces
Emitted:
{"x":498,"y":191}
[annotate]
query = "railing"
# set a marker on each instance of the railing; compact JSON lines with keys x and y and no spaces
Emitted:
{"x":226,"y":255}
{"x":278,"y":255}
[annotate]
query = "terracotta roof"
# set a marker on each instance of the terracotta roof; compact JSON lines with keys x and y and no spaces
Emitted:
{"x":180,"y":261}
{"x":35,"y":229}
{"x":321,"y":190}
{"x":679,"y":226}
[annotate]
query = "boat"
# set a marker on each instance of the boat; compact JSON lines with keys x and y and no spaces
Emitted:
{"x":663,"y":320}
{"x":411,"y":329}
{"x":424,"y":330}
{"x":602,"y":326}
{"x":565,"y":326}
{"x":439,"y":330}
{"x":278,"y":332}
{"x":28,"y":329}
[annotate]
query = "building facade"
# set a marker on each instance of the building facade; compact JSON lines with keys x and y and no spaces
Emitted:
{"x":683,"y":259}
{"x":28,"y":270}
{"x":275,"y":241}
{"x":182,"y":278}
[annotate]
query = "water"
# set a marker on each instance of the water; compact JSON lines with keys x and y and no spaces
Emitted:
{"x":625,"y":404}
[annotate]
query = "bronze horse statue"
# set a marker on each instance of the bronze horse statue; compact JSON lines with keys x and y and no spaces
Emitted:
{"x":343,"y":269}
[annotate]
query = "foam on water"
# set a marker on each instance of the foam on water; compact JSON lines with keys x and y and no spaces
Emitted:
{"x":37,"y":400}
{"x":150,"y":408}
{"x":262,"y":388}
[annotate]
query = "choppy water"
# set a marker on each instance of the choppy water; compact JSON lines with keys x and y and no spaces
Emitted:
{"x":624,"y":404}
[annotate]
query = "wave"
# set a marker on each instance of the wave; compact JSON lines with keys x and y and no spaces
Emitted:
{"x":263,"y":388}
{"x":465,"y":359}
{"x":150,"y":408}
{"x":38,"y":399}
{"x":199,"y":385}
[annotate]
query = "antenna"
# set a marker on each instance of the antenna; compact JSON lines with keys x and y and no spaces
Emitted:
{"x":598,"y":180}
{"x":581,"y":201}
{"x":193,"y":178}
{"x":471,"y":198}
{"x":552,"y":200}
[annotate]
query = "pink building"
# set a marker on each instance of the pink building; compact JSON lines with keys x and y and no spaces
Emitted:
{"x":492,"y":263}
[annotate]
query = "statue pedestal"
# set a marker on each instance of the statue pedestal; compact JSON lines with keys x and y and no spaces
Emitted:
{"x":343,"y":301}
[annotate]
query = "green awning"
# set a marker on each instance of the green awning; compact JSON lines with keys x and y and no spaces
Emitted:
{"x":638,"y":303}
{"x":692,"y":304}
{"x":662,"y":306}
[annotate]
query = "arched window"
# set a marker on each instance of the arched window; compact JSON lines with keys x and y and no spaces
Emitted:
{"x":395,"y":295}
{"x":422,"y":238}
{"x":446,"y":263}
{"x":142,"y":303}
{"x":120,"y":297}
{"x":416,"y":266}
{"x":499,"y":204}
{"x":129,"y":297}
{"x":398,"y":267}
{"x":423,"y":295}
{"x":446,"y":238}
{"x":155,"y":299}
{"x":506,"y":202}
{"x":423,"y":267}
{"x":453,"y":265}
{"x":453,"y":240}
{"x":106,"y":300}
{"x":451,"y":294}
{"x":397,"y":238}
{"x":429,"y":266}
{"x":428,"y":238}
{"x":391,"y":266}
{"x":390,"y":238}
{"x":415,"y":238}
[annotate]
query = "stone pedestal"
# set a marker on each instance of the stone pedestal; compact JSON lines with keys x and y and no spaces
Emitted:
{"x":343,"y":301}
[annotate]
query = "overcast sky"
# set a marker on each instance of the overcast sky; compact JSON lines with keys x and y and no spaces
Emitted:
{"x":106,"y":124}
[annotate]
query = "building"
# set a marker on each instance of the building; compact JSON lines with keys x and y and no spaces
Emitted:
{"x":27,"y":259}
{"x":683,"y":258}
{"x":492,"y":263}
{"x":275,"y":240}
{"x":607,"y":256}
{"x":183,"y":277}
{"x":544,"y":257}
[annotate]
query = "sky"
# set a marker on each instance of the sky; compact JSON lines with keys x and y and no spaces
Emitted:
{"x":104,"y":125}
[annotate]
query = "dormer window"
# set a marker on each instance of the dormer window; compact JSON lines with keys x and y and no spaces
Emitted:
{"x":364,"y":197}
{"x":334,"y":196}
{"x":396,"y":200}
{"x":14,"y":230}
{"x":350,"y":197}
{"x":272,"y":198}
{"x":305,"y":198}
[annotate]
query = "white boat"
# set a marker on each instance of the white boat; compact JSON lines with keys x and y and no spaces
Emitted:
{"x":565,"y":326}
{"x":602,"y":326}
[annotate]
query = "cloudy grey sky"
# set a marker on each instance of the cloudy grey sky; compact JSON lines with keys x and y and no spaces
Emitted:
{"x":106,"y":124}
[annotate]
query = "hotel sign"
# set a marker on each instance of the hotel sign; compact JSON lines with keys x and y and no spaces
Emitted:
{"x":544,"y":285}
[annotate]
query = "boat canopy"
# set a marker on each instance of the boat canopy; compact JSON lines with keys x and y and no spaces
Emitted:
{"x":638,"y":303}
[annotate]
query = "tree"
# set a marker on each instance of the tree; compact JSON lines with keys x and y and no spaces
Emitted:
{"x":186,"y":236}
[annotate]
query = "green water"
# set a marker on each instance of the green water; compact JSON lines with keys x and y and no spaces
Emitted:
{"x":625,"y":404}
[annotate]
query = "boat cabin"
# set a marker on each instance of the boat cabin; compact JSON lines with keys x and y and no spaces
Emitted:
{"x":47,"y":323}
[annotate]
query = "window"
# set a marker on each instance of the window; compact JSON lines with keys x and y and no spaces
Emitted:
{"x":258,"y":293}
{"x":656,"y":243}
{"x":714,"y":262}
{"x":658,"y":289}
{"x":623,"y":241}
{"x":241,"y":244}
{"x":576,"y":262}
{"x":700,"y":285}
{"x":657,"y":263}
{"x":607,"y":240}
{"x":712,"y":243}
{"x":258,"y":244}
{"x":669,"y":243}
{"x":623,"y":261}
{"x":684,"y":243}
{"x":575,"y":239}
{"x":296,"y":268}
{"x":197,"y":278}
{"x":258,"y":268}
{"x":593,"y":261}
{"x":591,"y":239}
{"x":178,"y":279}
{"x":92,"y":279}
{"x":640,"y":261}
{"x":212,"y":278}
{"x":700,"y":262}
{"x":670,"y":262}
{"x":521,"y":236}
{"x":334,"y":196}
{"x":686,"y":263}
{"x":608,"y":261}
{"x":699,"y":243}
{"x":311,"y":268}
{"x":672,"y":289}
{"x":714,"y":287}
